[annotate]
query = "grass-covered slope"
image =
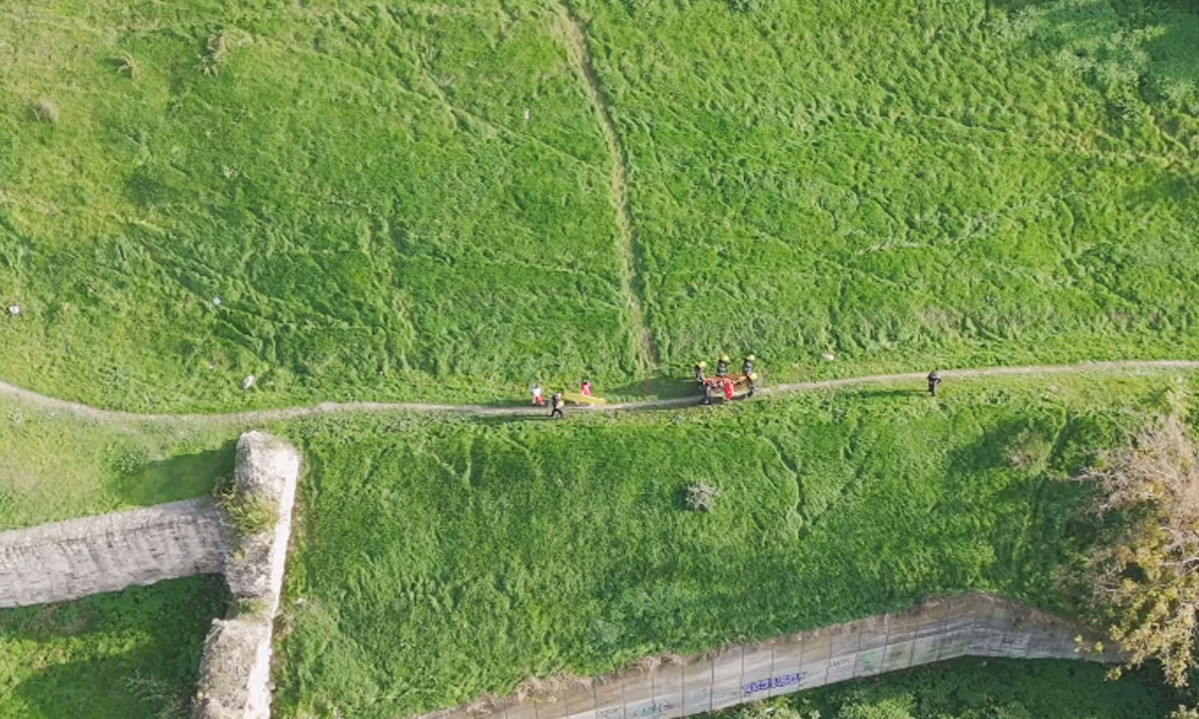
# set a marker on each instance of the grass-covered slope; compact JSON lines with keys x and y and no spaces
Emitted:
{"x":129,"y":655}
{"x":963,"y":182}
{"x":967,"y":182}
{"x":437,"y":560}
{"x":56,"y":466}
{"x":357,"y":184}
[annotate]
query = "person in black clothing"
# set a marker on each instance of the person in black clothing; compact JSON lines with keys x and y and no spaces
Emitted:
{"x":556,"y":404}
{"x":747,"y":365}
{"x":934,"y":381}
{"x":700,"y":368}
{"x":707,"y":393}
{"x":722,"y":367}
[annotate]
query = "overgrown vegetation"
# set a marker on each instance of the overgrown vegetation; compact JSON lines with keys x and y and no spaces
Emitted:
{"x":977,"y":689}
{"x":133,"y":654}
{"x":352,"y":203}
{"x":1143,"y":586}
{"x":440,"y":559}
{"x":250,"y":513}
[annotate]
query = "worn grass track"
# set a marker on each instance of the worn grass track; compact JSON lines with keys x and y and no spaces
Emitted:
{"x":576,"y":41}
{"x":482,"y":410}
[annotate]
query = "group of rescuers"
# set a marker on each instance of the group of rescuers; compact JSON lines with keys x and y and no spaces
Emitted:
{"x":722,"y":379}
{"x":558,"y":401}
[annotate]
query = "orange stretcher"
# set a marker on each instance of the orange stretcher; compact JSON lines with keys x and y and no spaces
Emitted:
{"x":718,"y":382}
{"x":577,"y":398}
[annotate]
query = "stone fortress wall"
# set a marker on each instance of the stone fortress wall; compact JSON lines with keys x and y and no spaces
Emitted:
{"x":67,"y":560}
{"x":942,"y":628}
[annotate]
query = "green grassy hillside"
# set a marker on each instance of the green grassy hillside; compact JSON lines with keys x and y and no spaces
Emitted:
{"x":54,"y":466}
{"x":438,"y":560}
{"x":902,"y":184}
{"x":357,"y":185}
{"x":133,"y":654}
{"x":959,"y":182}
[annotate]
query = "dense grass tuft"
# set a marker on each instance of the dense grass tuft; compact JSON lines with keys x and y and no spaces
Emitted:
{"x":45,"y":110}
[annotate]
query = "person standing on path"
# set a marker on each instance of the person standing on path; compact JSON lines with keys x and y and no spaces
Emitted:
{"x":751,"y":377}
{"x":556,"y":404}
{"x":700,"y":368}
{"x":538,"y":399}
{"x":934,"y":381}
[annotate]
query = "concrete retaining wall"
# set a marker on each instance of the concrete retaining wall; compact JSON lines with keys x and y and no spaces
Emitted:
{"x":235,"y":671}
{"x":68,"y":560}
{"x":944,"y":628}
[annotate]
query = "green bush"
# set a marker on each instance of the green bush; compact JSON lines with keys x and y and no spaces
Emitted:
{"x":250,"y":513}
{"x":701,"y":497}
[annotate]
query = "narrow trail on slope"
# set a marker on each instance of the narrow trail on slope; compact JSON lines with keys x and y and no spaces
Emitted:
{"x":576,"y":43}
{"x":82,"y":410}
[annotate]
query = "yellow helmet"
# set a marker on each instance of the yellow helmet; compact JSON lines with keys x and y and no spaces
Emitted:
{"x":702,"y":364}
{"x":724,"y":358}
{"x":753,"y":376}
{"x":751,"y":358}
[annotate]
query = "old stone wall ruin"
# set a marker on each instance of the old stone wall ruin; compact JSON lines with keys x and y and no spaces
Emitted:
{"x":940,"y":629}
{"x":235,"y":671}
{"x":67,"y":560}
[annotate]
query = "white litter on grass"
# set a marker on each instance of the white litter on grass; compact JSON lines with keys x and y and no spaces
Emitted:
{"x":216,"y":301}
{"x":830,"y":356}
{"x":526,"y":114}
{"x":248,"y":382}
{"x":14,"y":310}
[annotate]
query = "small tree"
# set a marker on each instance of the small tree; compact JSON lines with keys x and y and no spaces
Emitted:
{"x":1144,"y":587}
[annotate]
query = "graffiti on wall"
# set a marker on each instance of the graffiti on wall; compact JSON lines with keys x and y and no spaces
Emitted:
{"x":783,"y":680}
{"x":653,"y":709}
